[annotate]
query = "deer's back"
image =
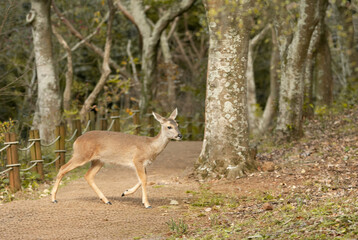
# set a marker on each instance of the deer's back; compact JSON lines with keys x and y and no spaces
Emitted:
{"x":113,"y":147}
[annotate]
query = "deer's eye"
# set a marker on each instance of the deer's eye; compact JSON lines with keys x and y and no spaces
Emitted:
{"x":169,"y":127}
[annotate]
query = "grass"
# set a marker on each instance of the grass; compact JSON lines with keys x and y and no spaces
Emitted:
{"x":207,"y":198}
{"x":302,"y":218}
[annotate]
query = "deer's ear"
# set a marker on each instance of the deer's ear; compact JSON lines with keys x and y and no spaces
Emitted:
{"x":174,"y":114}
{"x":158,"y":117}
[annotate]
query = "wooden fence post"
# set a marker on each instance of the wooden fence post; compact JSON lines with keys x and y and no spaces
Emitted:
{"x":35,"y":151}
{"x":92,"y":117}
{"x":190,"y":128}
{"x":151,"y":123}
{"x":13,"y":162}
{"x":103,"y":124}
{"x":136,"y":119}
{"x":115,"y":116}
{"x":76,"y":125}
{"x":60,"y":146}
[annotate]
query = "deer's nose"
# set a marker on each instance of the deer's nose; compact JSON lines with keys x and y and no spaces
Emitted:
{"x":180,"y":136}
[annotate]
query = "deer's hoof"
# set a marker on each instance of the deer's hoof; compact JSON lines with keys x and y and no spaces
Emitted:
{"x":123,"y":194}
{"x":149,"y":207}
{"x":54,"y":201}
{"x":108,"y":203}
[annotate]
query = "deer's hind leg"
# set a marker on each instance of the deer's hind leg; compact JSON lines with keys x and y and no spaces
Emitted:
{"x":89,"y":176}
{"x":72,"y":164}
{"x":131,"y":190}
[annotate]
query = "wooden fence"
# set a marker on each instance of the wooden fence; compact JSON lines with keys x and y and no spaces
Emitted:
{"x":192,"y":129}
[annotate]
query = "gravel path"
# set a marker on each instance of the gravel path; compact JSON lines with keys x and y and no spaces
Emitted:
{"x":79,"y":214}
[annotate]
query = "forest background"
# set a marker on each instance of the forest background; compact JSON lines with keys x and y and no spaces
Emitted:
{"x":61,"y":59}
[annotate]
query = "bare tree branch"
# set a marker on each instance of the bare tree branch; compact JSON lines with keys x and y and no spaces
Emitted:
{"x":135,"y":74}
{"x":105,"y":66}
{"x":77,"y":45}
{"x":91,"y":46}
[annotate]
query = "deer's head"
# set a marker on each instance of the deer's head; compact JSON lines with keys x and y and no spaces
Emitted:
{"x":169,"y":125}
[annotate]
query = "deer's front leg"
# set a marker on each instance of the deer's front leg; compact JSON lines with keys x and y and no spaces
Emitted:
{"x":143,"y":179}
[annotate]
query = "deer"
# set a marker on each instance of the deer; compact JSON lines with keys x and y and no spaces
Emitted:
{"x":99,"y":147}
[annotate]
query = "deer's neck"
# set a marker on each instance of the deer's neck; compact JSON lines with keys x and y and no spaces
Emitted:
{"x":159,"y":142}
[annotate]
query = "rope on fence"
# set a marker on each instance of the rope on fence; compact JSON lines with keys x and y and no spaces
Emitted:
{"x":27,"y":169}
{"x":73,"y":135}
{"x":87,"y":126}
{"x":111,"y":125}
{"x":5,"y":171}
{"x":4,"y":148}
{"x":27,"y":148}
{"x":13,"y":165}
{"x":53,"y":142}
{"x":46,"y":164}
{"x":59,"y":151}
{"x":9,"y":143}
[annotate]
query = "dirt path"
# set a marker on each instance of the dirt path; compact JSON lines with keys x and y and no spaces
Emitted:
{"x":80,"y":215}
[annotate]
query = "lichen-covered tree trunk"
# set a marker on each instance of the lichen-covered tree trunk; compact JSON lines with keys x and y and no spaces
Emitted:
{"x":293,"y":57}
{"x":48,"y":106}
{"x":225,"y":151}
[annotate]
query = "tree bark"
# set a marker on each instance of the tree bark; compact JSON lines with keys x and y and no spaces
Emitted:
{"x":293,"y":55}
{"x":225,"y":151}
{"x":48,"y":106}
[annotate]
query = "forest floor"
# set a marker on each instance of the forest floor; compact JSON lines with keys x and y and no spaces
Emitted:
{"x":305,"y":189}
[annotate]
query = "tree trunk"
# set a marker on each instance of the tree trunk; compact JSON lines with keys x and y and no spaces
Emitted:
{"x":308,"y":108}
{"x":48,"y":106}
{"x":293,"y":56}
{"x":252,"y":105}
{"x":344,"y":39}
{"x":324,"y":79}
{"x":170,"y":71}
{"x":69,"y":73}
{"x":272,"y":101}
{"x":225,"y":151}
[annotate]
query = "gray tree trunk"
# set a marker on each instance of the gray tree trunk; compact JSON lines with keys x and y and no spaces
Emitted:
{"x":324,"y":77}
{"x":312,"y":61}
{"x":151,"y":38}
{"x":272,"y":101}
{"x":253,"y":107}
{"x":69,"y":73}
{"x":293,"y":52}
{"x":225,"y":151}
{"x":171,"y":71}
{"x":48,"y":106}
